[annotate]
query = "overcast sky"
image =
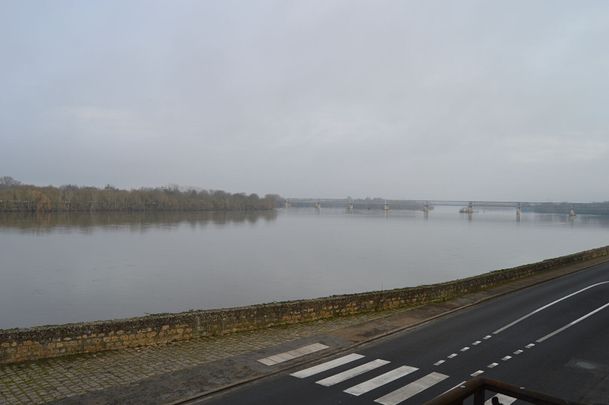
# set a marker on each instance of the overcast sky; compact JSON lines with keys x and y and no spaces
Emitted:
{"x":503,"y":100}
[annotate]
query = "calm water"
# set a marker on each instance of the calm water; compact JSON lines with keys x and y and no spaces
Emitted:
{"x":57,"y":269}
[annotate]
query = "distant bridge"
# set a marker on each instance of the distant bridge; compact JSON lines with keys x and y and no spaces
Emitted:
{"x":467,"y":207}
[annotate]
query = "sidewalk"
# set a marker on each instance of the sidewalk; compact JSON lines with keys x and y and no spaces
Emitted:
{"x":48,"y":380}
{"x":169,"y":373}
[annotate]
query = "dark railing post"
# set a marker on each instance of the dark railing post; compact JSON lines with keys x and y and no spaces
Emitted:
{"x":479,"y":396}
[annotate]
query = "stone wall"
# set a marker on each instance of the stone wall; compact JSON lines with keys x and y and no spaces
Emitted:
{"x":18,"y":345}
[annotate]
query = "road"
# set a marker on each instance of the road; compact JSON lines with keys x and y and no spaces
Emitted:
{"x":552,"y":338}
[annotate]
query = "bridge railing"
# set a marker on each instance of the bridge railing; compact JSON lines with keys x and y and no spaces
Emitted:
{"x":477,"y":389}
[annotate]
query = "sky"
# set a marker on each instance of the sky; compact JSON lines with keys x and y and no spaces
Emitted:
{"x":469,"y":100}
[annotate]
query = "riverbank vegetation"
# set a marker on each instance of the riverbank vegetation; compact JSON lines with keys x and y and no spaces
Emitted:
{"x":18,"y":197}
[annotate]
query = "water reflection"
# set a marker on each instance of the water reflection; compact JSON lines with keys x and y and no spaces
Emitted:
{"x":135,"y":221}
{"x":138,"y":263}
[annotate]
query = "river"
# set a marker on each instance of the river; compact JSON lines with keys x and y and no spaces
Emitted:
{"x":80,"y":267}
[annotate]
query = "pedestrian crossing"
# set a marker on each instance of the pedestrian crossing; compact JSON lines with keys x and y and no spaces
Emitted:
{"x":410,"y":389}
{"x":381,"y":380}
{"x":292,"y":354}
{"x":417,"y":384}
{"x":329,"y":365}
{"x":353,"y":372}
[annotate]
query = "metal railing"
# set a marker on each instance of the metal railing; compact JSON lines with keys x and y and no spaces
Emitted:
{"x":477,"y":389}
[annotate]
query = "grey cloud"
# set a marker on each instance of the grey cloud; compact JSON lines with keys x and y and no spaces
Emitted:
{"x":434,"y":99}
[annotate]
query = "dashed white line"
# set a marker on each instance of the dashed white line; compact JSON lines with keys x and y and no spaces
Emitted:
{"x":530,"y":345}
{"x":381,"y":380}
{"x":487,"y":337}
{"x":345,"y":375}
{"x":493,"y":365}
{"x":452,"y":356}
{"x":517,"y":352}
{"x":437,"y":363}
{"x":476,"y":343}
{"x":477,"y":373}
{"x":506,"y":358}
{"x":466,"y":348}
{"x":326,"y":366}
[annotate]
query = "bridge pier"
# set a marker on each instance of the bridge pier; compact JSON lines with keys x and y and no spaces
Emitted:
{"x":468,"y":210}
{"x":426,"y":209}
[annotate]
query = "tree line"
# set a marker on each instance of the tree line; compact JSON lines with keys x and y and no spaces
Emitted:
{"x":18,"y":197}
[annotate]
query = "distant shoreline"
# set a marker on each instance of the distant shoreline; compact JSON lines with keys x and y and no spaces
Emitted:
{"x":18,"y":197}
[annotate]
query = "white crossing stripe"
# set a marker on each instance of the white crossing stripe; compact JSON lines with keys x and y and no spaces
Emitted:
{"x":503,"y":400}
{"x":381,"y":380}
{"x":456,"y":386}
{"x":292,"y":354}
{"x":412,"y":389}
{"x":345,"y":375}
{"x":326,"y":366}
{"x":477,"y":373}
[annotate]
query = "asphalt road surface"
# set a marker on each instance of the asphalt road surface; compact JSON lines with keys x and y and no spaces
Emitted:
{"x":552,"y":338}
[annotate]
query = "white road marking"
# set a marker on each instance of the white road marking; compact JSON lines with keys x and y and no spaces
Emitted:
{"x":517,"y":352}
{"x":487,"y":337}
{"x":476,"y":343}
{"x":452,"y":356}
{"x":412,"y":389}
{"x":292,"y":354}
{"x":326,"y":366}
{"x":567,"y":326}
{"x":503,"y":399}
{"x":506,"y":358}
{"x":437,"y":363}
{"x":493,"y":365}
{"x":509,"y":325}
{"x":456,"y":386}
{"x":465,"y":349}
{"x":530,"y":345}
{"x":477,"y":373}
{"x":381,"y":380}
{"x":345,"y":375}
